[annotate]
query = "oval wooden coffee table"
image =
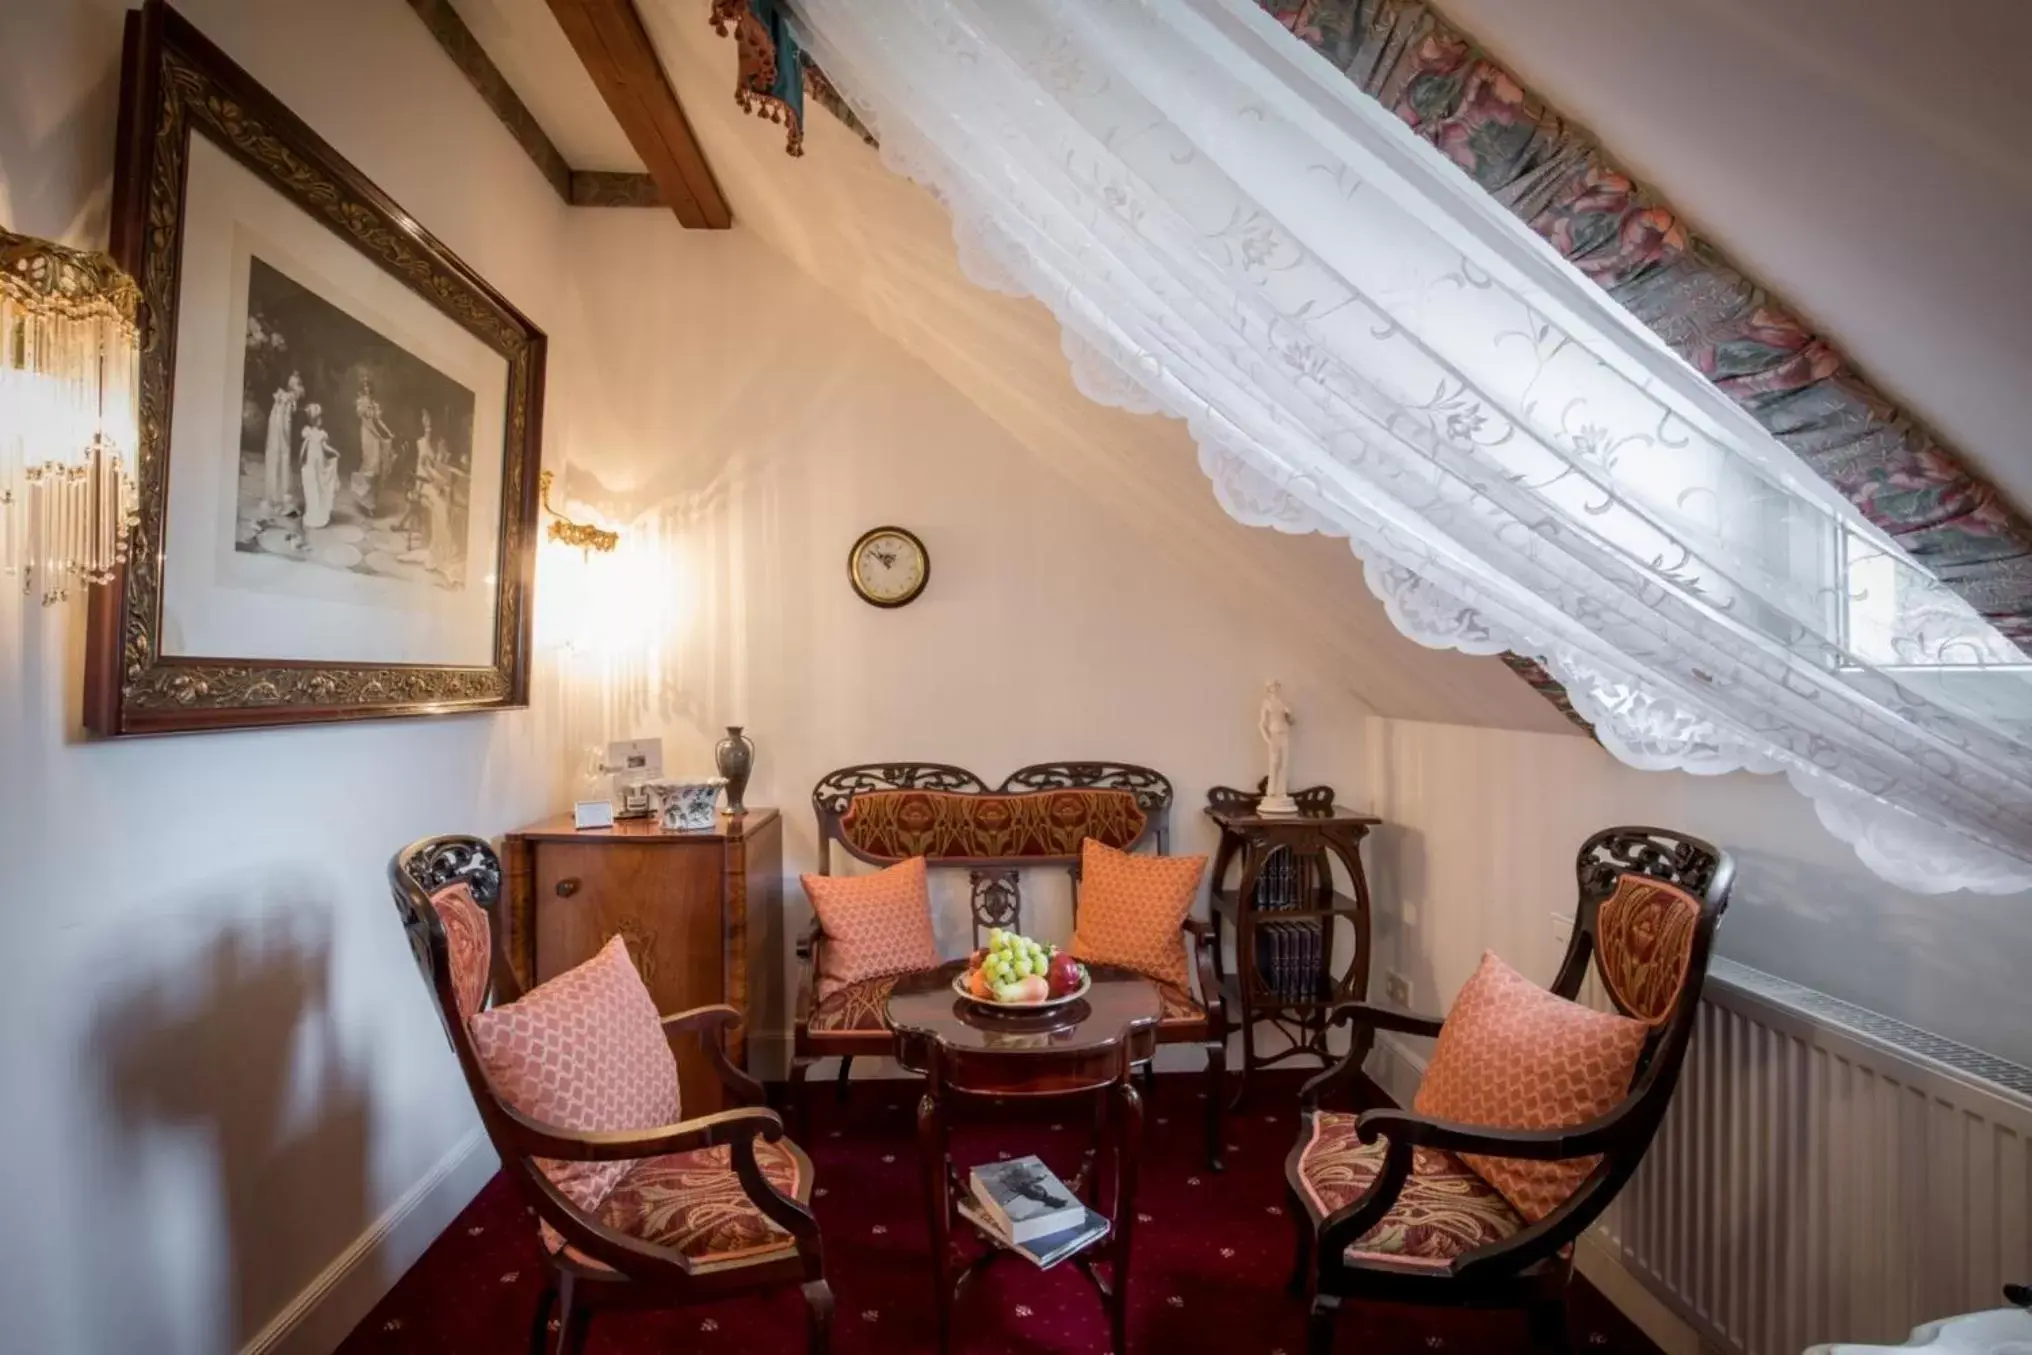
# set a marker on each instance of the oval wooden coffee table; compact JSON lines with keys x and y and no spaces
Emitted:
{"x":969,"y":1053}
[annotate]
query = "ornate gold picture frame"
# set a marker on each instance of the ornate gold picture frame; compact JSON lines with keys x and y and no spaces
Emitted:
{"x":339,"y":429}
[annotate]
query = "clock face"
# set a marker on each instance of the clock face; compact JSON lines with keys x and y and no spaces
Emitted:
{"x":888,"y":566}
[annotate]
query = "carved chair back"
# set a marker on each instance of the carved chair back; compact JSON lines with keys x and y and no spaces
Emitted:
{"x":452,"y":933}
{"x":1039,"y":815}
{"x":1649,"y":902}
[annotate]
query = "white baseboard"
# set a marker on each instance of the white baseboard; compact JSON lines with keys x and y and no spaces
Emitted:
{"x":319,"y":1318}
{"x":1395,"y":1067}
{"x":769,"y":1054}
{"x":1598,"y":1260}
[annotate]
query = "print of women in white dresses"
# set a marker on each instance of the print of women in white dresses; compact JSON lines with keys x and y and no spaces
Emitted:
{"x":355,"y":454}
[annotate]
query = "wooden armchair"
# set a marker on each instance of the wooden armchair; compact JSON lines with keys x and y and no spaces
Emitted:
{"x":883,"y":813}
{"x":1384,"y":1204}
{"x":707,"y":1208}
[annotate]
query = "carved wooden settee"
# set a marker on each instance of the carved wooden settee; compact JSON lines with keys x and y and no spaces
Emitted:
{"x":882,"y":813}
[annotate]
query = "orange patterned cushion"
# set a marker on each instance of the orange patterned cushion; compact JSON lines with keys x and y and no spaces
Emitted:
{"x":1445,"y":1210}
{"x":874,"y":924}
{"x":893,"y":824}
{"x":1513,"y":1056}
{"x":585,"y":1051}
{"x":1644,"y":944}
{"x":1131,"y":909}
{"x":466,"y":940}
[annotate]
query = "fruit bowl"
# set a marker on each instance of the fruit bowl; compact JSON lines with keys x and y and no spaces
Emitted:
{"x":959,"y":985}
{"x":1013,"y":973}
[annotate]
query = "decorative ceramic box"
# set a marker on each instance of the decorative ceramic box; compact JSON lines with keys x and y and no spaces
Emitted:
{"x":686,"y":806}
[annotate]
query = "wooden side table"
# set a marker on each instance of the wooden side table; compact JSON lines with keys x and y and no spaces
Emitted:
{"x":684,"y":902}
{"x":968,"y":1053}
{"x":1287,"y":879}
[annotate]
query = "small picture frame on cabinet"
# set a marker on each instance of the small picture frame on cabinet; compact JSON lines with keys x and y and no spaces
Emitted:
{"x":588,"y":814}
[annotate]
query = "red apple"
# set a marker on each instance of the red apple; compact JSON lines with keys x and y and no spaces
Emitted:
{"x":1063,"y":974}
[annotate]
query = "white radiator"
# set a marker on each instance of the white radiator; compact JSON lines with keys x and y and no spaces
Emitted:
{"x":1826,"y":1173}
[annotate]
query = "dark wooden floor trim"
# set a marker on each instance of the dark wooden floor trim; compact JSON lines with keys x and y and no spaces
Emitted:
{"x":610,"y":40}
{"x":577,"y":187}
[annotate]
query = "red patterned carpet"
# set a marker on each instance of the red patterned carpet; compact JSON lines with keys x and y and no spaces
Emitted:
{"x":1211,"y":1257}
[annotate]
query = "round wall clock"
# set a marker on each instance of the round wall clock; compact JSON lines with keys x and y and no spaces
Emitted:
{"x":888,"y":566}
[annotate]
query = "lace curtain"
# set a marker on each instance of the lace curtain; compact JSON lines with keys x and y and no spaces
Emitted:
{"x":1362,"y":343}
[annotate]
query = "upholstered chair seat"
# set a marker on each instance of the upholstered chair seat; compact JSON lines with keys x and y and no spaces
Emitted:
{"x":859,"y":1006}
{"x":693,"y":1204}
{"x":1181,"y":1009}
{"x":1444,"y":1211}
{"x":1445,"y":1207}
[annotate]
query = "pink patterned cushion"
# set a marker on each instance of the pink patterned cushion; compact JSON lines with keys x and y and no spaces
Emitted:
{"x":1513,"y":1056}
{"x":466,"y":939}
{"x":585,"y":1051}
{"x":874,"y":925}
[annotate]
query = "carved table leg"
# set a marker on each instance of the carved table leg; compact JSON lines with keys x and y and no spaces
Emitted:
{"x":1127,"y":1114}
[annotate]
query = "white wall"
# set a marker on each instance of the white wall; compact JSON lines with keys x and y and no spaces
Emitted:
{"x":1478,"y":854}
{"x":773,"y":425}
{"x":221,"y":1068}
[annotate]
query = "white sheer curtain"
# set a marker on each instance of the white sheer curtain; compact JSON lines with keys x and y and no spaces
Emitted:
{"x":1362,"y":343}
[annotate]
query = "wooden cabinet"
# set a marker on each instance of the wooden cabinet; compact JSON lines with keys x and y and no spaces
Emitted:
{"x":682,"y":901}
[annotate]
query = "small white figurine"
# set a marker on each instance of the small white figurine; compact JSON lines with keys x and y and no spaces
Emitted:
{"x":1273,"y":722}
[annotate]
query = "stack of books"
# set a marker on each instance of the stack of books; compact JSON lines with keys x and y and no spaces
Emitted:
{"x":1288,"y":954}
{"x":1289,"y":958}
{"x":1281,"y":882}
{"x":1021,"y":1205}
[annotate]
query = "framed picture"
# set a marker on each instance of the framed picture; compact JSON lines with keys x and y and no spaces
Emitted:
{"x":340,"y":429}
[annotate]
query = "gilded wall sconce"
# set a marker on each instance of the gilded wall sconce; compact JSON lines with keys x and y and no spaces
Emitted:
{"x":579,"y":535}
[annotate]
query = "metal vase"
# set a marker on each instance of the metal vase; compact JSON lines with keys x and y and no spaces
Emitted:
{"x":735,"y":757}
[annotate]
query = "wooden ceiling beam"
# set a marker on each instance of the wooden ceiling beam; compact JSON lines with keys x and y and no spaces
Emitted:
{"x":614,"y":46}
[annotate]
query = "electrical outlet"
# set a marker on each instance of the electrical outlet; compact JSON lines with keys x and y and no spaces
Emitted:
{"x":1562,"y":927}
{"x":1397,"y":988}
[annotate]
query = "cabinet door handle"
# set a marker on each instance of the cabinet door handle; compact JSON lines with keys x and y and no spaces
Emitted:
{"x":567,"y":887}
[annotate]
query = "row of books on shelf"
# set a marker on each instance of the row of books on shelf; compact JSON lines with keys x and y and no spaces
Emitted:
{"x":1021,"y":1205}
{"x":1289,"y":959}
